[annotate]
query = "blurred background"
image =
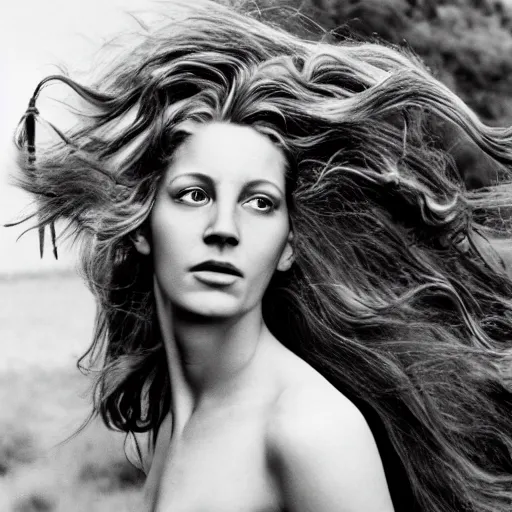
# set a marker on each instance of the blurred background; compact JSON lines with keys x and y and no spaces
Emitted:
{"x":46,"y":313}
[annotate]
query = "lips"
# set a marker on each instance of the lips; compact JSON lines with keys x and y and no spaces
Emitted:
{"x":217,"y":266}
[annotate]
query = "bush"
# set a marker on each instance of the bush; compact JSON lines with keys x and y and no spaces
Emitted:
{"x":16,"y":447}
{"x":35,"y":503}
{"x":116,"y":475}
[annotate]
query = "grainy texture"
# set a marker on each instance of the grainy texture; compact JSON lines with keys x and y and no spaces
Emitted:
{"x":45,"y":323}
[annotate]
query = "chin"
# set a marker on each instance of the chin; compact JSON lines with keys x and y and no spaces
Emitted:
{"x":214,"y":307}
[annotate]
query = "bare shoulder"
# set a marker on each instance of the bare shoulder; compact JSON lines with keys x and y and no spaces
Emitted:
{"x":323,"y":452}
{"x":307,"y":402}
{"x":315,"y":407}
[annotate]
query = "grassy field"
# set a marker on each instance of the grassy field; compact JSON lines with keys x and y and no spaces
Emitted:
{"x":45,"y":324}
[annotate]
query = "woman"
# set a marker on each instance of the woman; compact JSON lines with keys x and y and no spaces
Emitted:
{"x":297,"y":298}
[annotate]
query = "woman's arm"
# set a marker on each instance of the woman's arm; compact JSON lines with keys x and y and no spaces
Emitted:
{"x":325,"y":457}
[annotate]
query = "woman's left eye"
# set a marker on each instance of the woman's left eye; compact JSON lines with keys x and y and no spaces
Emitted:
{"x":261,"y":204}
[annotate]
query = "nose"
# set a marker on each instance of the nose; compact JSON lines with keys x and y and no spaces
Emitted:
{"x":222,"y":229}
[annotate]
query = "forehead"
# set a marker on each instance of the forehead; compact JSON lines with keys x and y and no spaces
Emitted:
{"x":227,"y":151}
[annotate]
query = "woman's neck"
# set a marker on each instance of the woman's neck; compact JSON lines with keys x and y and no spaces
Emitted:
{"x":207,"y":358}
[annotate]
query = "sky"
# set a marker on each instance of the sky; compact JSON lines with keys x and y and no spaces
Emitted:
{"x":35,"y":37}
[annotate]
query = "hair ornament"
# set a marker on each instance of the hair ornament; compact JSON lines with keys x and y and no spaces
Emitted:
{"x":29,"y":119}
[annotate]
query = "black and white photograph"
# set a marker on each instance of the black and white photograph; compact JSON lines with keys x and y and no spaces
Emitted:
{"x":256,"y":256}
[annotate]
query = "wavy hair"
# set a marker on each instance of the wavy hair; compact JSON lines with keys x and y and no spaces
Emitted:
{"x":396,"y":295}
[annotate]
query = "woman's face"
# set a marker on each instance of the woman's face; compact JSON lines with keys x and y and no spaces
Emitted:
{"x":219,"y":226}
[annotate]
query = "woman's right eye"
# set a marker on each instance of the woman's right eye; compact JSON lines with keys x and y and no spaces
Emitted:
{"x":194,"y":197}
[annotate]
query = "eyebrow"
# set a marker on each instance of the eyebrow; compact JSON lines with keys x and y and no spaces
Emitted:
{"x":211,"y":182}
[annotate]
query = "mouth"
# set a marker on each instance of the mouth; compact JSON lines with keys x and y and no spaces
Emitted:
{"x":221,"y":267}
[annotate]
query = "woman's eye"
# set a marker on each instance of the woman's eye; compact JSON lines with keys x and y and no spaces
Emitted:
{"x":194,"y":197}
{"x":261,"y":204}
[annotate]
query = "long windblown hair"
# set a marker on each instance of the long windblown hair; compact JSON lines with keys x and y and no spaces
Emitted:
{"x":396,"y":295}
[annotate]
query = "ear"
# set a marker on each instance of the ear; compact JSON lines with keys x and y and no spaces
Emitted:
{"x":287,"y":256}
{"x":141,"y":242}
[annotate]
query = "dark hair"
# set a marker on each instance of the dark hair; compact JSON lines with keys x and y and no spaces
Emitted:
{"x":396,"y":296}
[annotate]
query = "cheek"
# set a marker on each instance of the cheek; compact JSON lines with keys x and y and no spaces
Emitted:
{"x":169,"y":239}
{"x":267,"y":245}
